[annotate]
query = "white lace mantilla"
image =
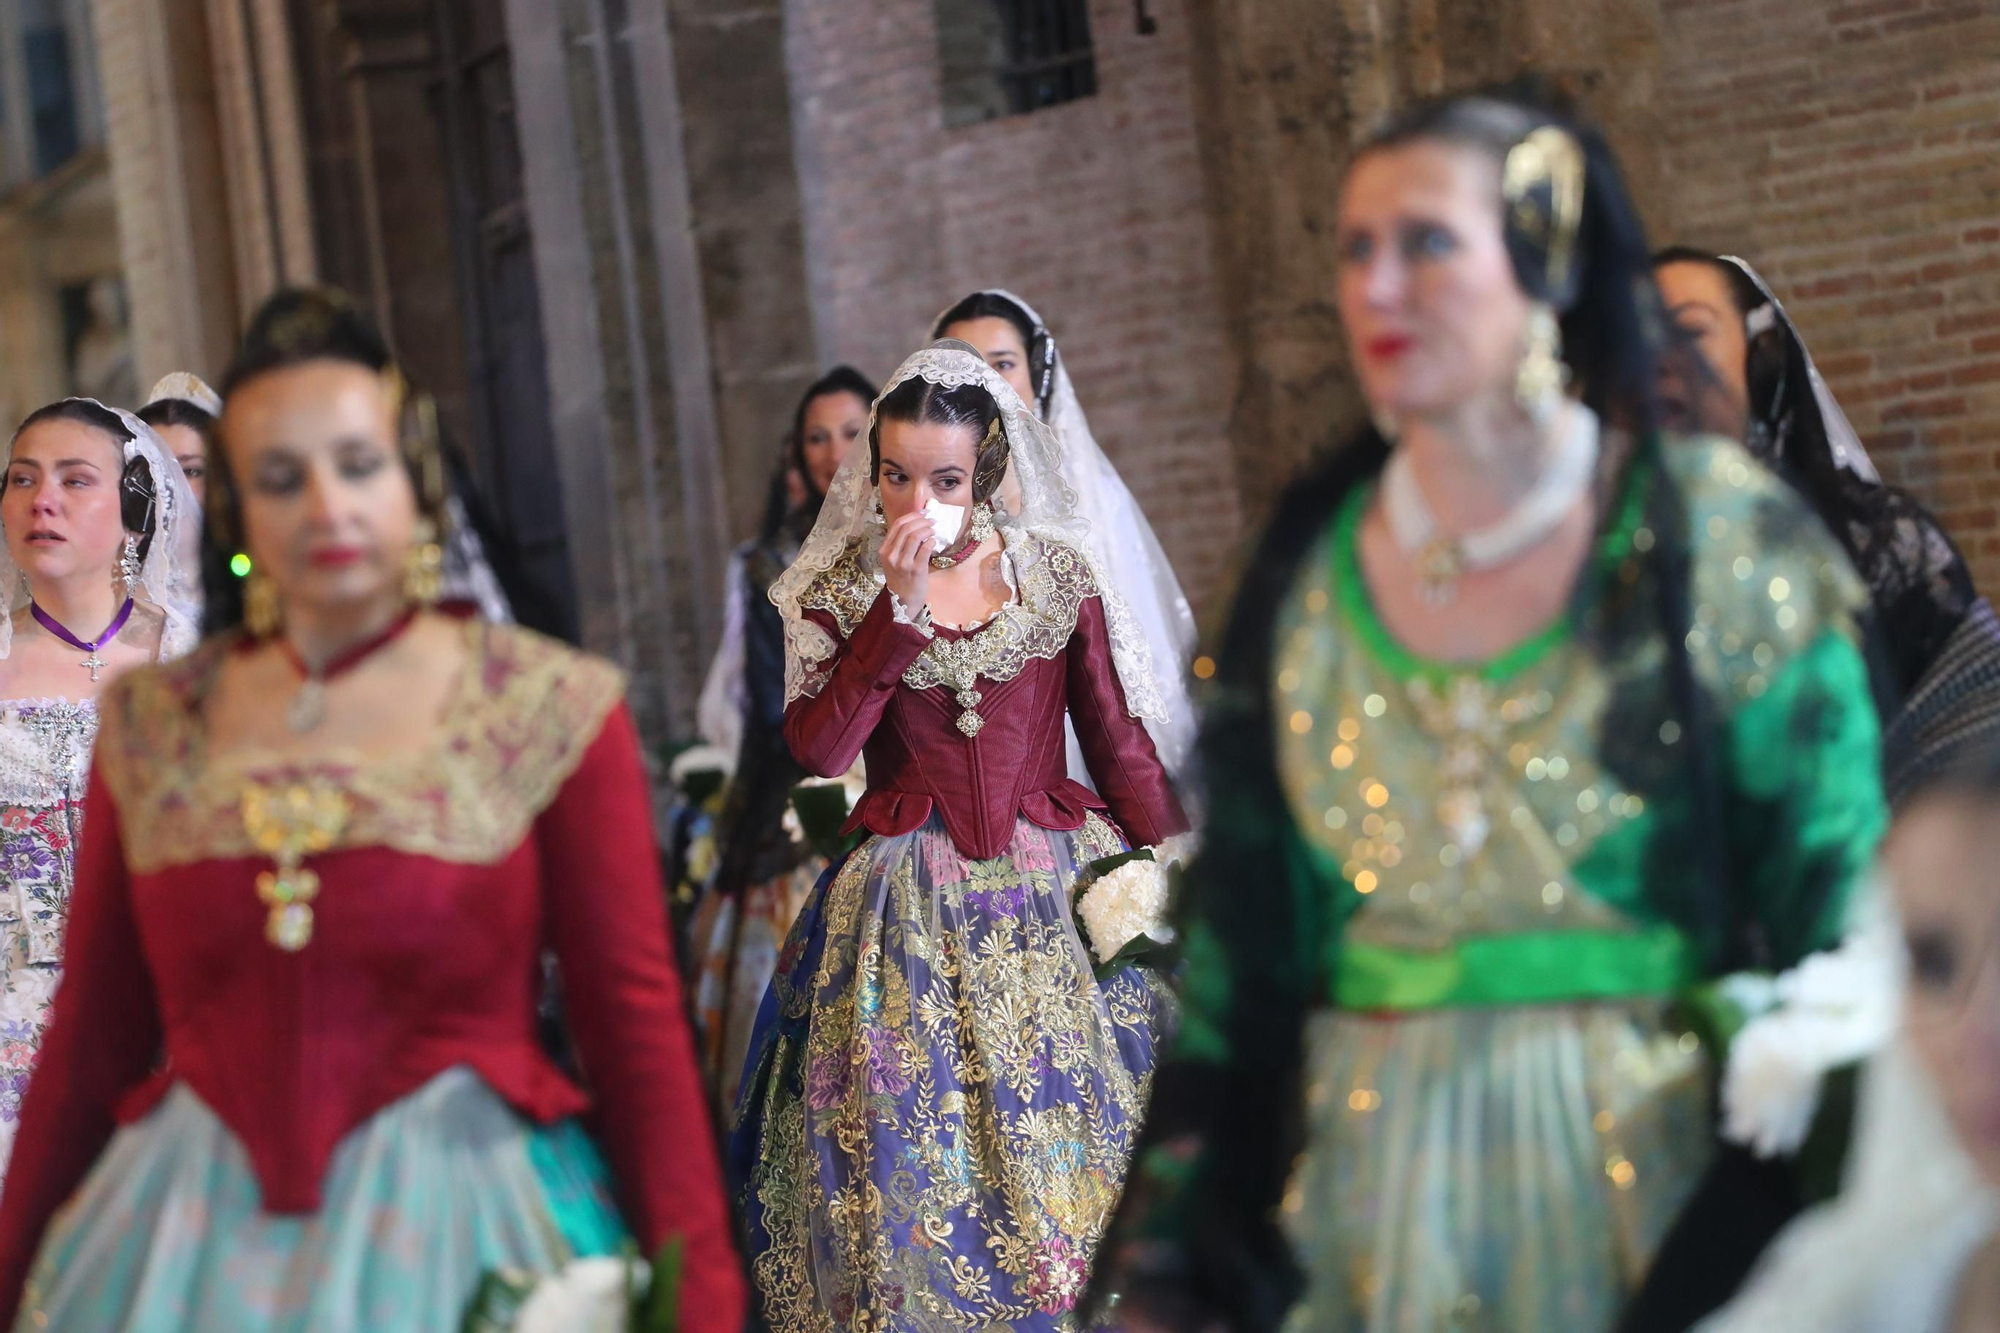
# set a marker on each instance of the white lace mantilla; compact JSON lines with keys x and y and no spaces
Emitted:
{"x":1035,"y":514}
{"x":1054,"y":582}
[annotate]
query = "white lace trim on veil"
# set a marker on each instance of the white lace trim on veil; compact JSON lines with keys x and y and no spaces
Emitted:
{"x":1033,"y":501}
{"x":1124,"y":547}
{"x":170,"y":575}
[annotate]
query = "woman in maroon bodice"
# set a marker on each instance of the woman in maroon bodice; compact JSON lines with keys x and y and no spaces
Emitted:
{"x":942,"y":1095}
{"x":293,"y":1081}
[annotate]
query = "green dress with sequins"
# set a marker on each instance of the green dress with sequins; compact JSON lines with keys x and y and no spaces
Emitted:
{"x":1495,"y":868}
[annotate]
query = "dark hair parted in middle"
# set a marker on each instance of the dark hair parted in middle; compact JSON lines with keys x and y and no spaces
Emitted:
{"x":917,"y":400}
{"x":178,"y":412}
{"x":841,"y":379}
{"x":136,"y":500}
{"x":1035,"y":339}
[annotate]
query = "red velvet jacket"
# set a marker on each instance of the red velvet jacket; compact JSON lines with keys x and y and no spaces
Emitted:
{"x":1046,"y":655}
{"x":528,"y":824}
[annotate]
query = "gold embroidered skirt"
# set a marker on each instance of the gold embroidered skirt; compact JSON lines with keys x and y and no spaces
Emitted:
{"x":1507,"y":1169}
{"x":943,"y":1100}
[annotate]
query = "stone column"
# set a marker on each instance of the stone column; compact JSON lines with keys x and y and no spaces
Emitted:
{"x":630,"y":392}
{"x":263,"y":144}
{"x":745,"y":233}
{"x":168,"y":173}
{"x":382,"y":56}
{"x":656,"y":145}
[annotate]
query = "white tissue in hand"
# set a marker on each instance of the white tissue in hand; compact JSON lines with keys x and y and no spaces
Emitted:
{"x":949,"y":520}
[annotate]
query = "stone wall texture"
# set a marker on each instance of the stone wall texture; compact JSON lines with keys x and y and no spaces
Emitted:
{"x":1092,"y":211}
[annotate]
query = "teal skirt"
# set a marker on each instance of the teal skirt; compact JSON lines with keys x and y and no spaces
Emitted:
{"x":168,"y":1233}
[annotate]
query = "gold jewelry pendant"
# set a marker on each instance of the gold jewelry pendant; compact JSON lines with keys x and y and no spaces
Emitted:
{"x":423,"y":566}
{"x":1439,"y":567}
{"x":288,"y":891}
{"x":289,"y":824}
{"x":307,"y":708}
{"x":262,"y":611}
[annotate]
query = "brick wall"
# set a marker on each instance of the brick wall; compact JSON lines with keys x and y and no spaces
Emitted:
{"x":1852,"y":151}
{"x":1091,"y":211}
{"x":1851,"y":148}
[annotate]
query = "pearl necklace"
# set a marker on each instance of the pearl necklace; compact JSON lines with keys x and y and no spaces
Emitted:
{"x":1443,"y":558}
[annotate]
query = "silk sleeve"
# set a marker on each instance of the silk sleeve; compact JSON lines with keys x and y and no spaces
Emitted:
{"x":103,"y":1037}
{"x":1119,"y":752}
{"x":608,"y":924}
{"x":1806,"y":809}
{"x":827,"y":731}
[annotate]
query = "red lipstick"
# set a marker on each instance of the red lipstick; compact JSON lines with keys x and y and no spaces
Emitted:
{"x":336,"y":557}
{"x":1389,"y":346}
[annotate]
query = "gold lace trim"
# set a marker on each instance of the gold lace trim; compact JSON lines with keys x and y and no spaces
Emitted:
{"x":1055,"y":582}
{"x":525,"y":711}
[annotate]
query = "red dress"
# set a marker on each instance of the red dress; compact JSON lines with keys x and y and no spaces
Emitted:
{"x":943,"y":1098}
{"x":993,"y":750}
{"x":441,"y":877}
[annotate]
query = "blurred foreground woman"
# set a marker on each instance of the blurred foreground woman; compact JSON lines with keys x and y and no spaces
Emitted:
{"x":1525,"y":727}
{"x":323,"y":856}
{"x":1911,"y":1244}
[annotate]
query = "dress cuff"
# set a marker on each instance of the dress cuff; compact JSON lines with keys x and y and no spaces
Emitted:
{"x":921,"y":621}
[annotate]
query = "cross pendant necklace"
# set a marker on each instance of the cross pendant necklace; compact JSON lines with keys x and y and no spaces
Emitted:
{"x":91,"y":658}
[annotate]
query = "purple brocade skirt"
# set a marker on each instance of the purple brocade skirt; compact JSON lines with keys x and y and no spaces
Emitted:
{"x":941,"y":1100}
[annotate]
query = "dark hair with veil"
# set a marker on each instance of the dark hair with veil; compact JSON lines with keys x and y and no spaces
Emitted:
{"x":1215,"y":1250}
{"x":1041,"y":348}
{"x":1917,"y":580}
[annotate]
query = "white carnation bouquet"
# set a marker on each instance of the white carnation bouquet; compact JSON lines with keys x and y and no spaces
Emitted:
{"x":608,"y":1294}
{"x":1834,"y":1009}
{"x":1122,"y":909}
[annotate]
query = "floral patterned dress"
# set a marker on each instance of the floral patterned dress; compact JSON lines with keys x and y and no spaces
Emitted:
{"x":44,"y":767}
{"x":941,"y":1098}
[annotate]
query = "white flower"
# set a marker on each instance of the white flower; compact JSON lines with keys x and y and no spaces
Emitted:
{"x":853,"y":783}
{"x":1119,"y":907}
{"x":1181,"y":848}
{"x":587,"y":1296}
{"x":700,"y":759}
{"x":1833,"y":1009}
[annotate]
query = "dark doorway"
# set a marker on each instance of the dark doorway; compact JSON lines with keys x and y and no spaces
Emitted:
{"x":500,"y":304}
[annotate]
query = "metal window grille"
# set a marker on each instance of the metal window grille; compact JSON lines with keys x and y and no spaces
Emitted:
{"x":1011,"y":57}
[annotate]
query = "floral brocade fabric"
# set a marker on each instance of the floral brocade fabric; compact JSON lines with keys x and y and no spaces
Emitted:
{"x":516,"y":725}
{"x":943,"y":1100}
{"x":1055,"y":581}
{"x":44,"y":769}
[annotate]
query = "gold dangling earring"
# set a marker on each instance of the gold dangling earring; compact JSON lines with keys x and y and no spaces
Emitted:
{"x":262,"y":612}
{"x":1541,"y":377}
{"x":982,"y":521}
{"x":423,"y":566}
